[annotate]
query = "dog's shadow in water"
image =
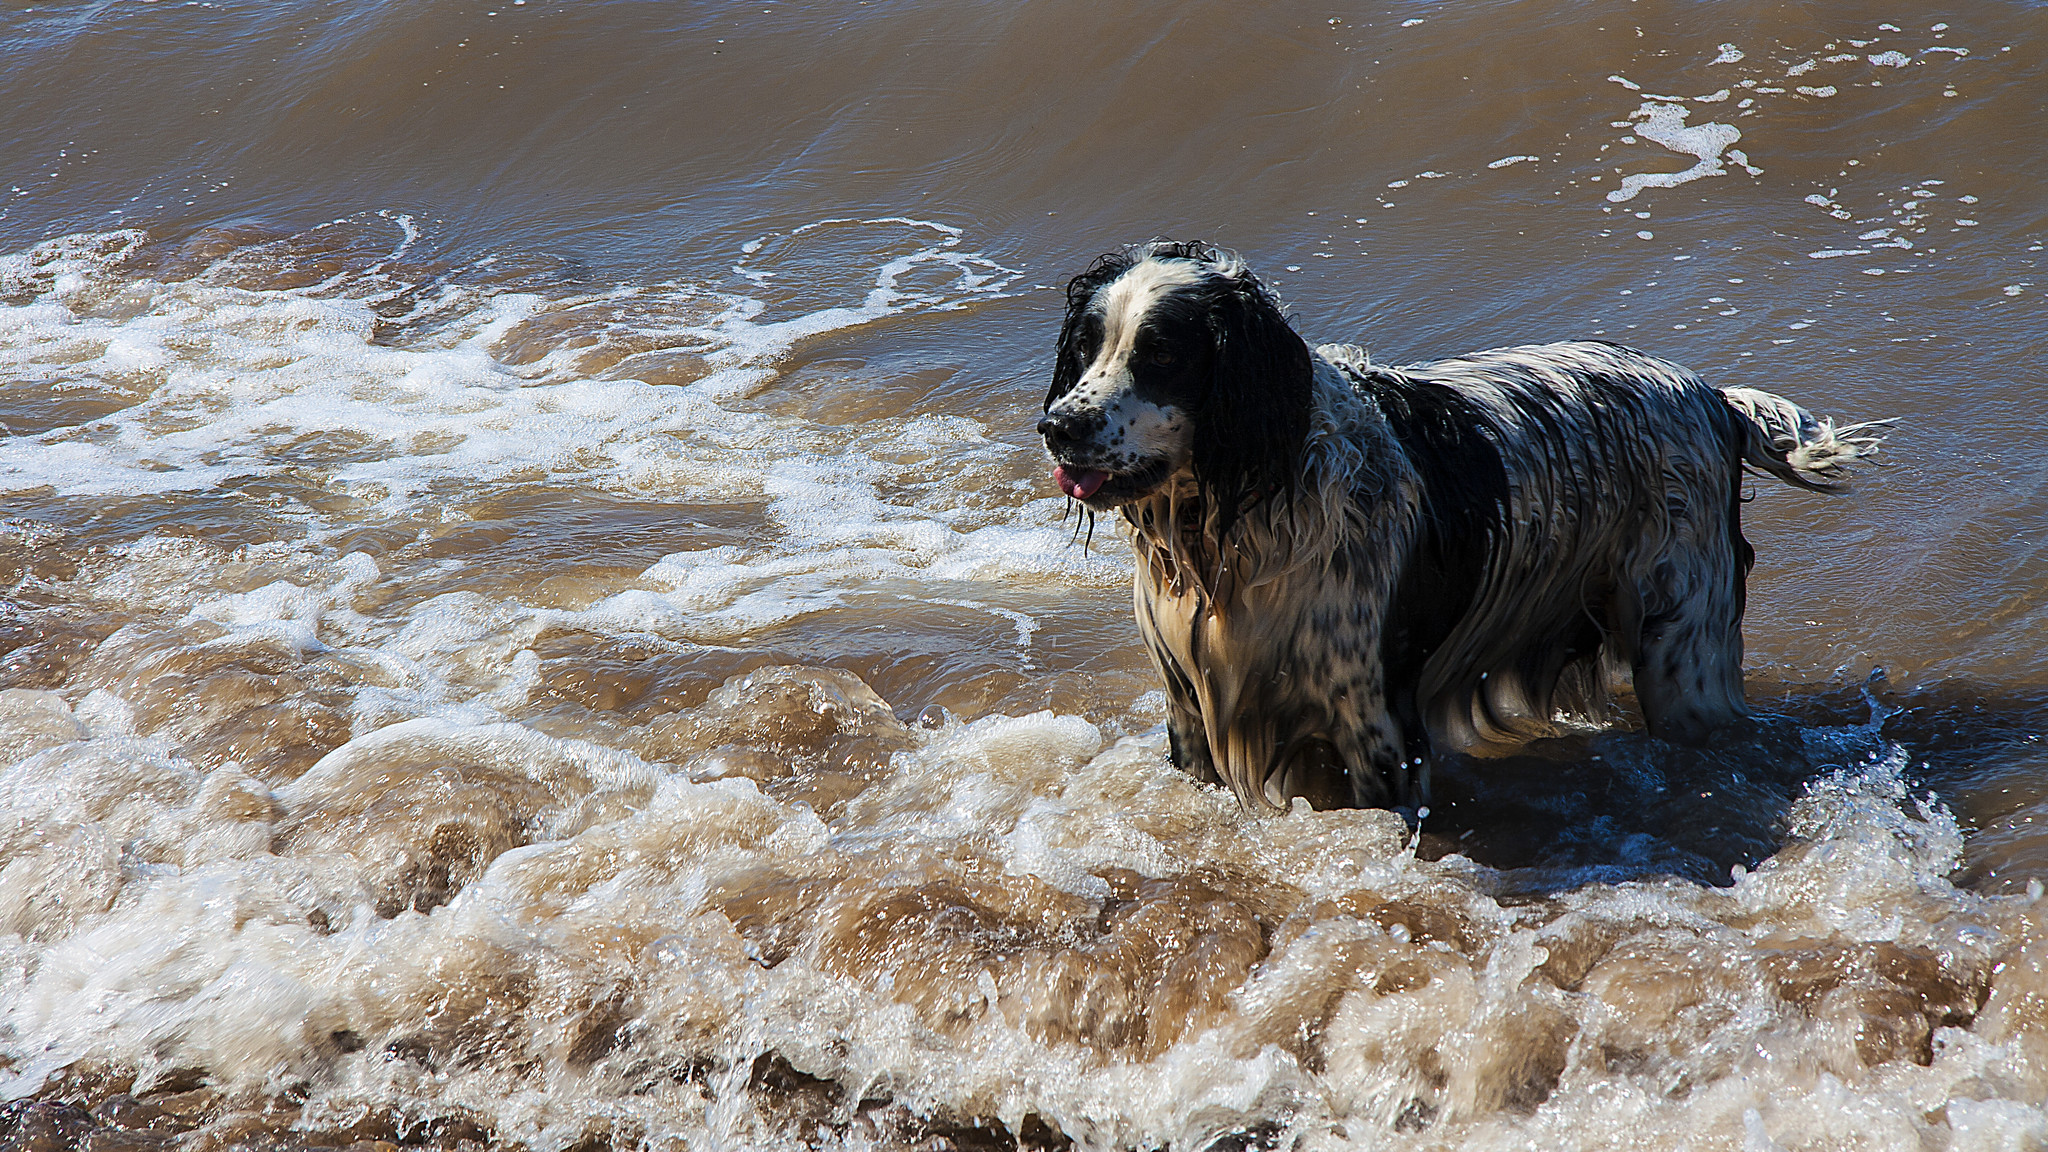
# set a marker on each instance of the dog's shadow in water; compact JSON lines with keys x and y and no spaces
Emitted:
{"x":1618,"y":805}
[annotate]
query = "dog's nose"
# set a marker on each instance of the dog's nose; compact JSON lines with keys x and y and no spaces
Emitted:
{"x":1060,"y":428}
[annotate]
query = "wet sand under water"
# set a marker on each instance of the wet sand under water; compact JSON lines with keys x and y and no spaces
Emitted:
{"x":535,"y":618}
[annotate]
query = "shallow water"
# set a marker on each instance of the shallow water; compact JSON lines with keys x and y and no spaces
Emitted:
{"x":536,"y":616}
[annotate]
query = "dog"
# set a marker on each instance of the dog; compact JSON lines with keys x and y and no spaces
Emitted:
{"x":1344,"y":568}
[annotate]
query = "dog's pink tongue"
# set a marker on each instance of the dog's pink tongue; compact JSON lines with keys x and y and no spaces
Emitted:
{"x":1079,"y":483}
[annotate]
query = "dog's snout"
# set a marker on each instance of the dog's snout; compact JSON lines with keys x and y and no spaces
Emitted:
{"x":1064,"y":427}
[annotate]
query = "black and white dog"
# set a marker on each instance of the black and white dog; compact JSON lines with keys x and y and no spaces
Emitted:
{"x":1342,"y":565}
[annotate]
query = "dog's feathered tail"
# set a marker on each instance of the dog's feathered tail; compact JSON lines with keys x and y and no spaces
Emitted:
{"x":1796,"y":446}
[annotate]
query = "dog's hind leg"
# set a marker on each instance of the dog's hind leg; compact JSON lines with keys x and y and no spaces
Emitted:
{"x":1688,"y":683}
{"x":1687,"y":662}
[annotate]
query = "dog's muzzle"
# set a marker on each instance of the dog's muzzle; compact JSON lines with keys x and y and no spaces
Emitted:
{"x":1066,"y":434}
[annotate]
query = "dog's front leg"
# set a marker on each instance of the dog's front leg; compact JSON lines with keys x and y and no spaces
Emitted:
{"x":1383,"y":772}
{"x":1166,"y":621}
{"x":1189,"y":745}
{"x":1388,"y":777}
{"x":1187,"y":739}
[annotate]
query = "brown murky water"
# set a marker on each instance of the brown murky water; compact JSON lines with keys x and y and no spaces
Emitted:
{"x":535,"y":618}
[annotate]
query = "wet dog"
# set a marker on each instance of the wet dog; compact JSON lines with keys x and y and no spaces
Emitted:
{"x":1343,"y":566}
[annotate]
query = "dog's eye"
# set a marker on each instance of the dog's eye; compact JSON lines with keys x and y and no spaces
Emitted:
{"x":1162,"y":357}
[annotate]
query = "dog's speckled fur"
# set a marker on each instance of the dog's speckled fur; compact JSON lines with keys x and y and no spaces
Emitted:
{"x":1342,"y":565}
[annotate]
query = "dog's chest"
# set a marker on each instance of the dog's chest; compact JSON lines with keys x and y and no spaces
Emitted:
{"x":1273,"y":642}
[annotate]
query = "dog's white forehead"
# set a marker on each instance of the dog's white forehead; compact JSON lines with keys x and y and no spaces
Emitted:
{"x":1126,"y":300}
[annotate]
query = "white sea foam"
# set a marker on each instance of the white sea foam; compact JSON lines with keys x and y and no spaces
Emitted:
{"x":231,"y":371}
{"x":191,"y":945}
{"x":512,"y":386}
{"x":1664,"y":124}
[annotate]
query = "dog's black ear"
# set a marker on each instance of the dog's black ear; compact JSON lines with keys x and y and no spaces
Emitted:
{"x":1071,"y":361}
{"x":1253,"y":424}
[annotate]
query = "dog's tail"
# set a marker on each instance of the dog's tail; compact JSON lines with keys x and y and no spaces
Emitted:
{"x":1798,"y":447}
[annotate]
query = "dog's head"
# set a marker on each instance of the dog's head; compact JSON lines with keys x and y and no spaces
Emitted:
{"x":1175,"y":359}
